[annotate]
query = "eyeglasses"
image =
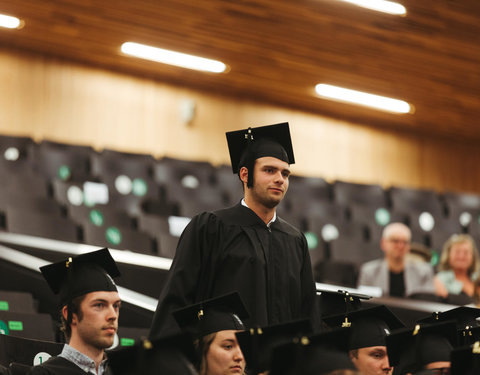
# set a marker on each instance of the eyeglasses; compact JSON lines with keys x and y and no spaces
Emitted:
{"x":398,"y":241}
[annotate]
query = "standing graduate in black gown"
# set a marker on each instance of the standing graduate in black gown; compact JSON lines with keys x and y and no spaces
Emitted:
{"x":90,"y":309}
{"x":245,"y":248}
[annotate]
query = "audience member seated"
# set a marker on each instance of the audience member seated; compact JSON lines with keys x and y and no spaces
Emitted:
{"x":394,"y":274}
{"x":459,"y":266}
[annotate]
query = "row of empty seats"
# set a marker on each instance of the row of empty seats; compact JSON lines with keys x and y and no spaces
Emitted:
{"x":130,"y":201}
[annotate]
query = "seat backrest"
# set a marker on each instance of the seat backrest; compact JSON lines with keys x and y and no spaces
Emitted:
{"x":26,"y":351}
{"x":41,"y":225}
{"x":405,"y":199}
{"x":63,"y":161}
{"x":36,"y":326}
{"x":119,"y":238}
{"x":347,"y":193}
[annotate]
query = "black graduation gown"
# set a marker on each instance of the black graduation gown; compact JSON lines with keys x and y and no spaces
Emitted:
{"x":233,"y":250}
{"x":59,"y":366}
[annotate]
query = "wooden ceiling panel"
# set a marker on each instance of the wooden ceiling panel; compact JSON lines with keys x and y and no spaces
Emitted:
{"x":277,"y":50}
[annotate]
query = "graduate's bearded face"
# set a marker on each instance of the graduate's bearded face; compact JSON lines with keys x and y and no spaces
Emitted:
{"x":270,"y":181}
{"x":98,"y":322}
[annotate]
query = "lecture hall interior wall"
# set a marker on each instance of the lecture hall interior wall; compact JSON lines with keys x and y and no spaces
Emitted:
{"x":47,"y":98}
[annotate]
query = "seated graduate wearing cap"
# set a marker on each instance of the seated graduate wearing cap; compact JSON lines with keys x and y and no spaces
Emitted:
{"x":212,"y":325}
{"x":245,"y":248}
{"x":89,"y":312}
{"x":367,"y":343}
{"x":424,"y":350}
{"x":319,"y":354}
{"x":169,"y":355}
{"x":257,"y":344}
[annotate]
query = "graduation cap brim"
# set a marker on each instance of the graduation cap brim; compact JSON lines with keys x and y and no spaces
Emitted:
{"x":279,"y":133}
{"x":226,"y":312}
{"x":81,"y":274}
{"x":463,"y":315}
{"x":257,"y":343}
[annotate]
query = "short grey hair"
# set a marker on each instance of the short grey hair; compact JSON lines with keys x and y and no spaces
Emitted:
{"x":391,"y":228}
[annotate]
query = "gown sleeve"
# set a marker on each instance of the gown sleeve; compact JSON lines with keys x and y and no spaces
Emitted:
{"x":185,"y":275}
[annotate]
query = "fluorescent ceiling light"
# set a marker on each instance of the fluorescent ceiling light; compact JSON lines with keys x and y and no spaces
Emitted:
{"x":357,"y":97}
{"x":381,"y":6}
{"x":10,"y":22}
{"x":173,"y":58}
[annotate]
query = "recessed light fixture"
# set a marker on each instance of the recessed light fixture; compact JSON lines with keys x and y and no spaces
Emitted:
{"x":173,"y":58}
{"x":362,"y":98}
{"x":10,"y":22}
{"x":381,"y":6}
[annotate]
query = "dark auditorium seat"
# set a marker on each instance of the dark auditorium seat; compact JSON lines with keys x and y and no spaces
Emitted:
{"x":336,"y":273}
{"x":25,"y":351}
{"x":114,"y":163}
{"x":345,"y":249}
{"x":153,"y":224}
{"x":406,"y":199}
{"x":181,"y":179}
{"x":128,"y":177}
{"x":101,"y":216}
{"x":34,"y":326}
{"x":348,"y":193}
{"x":15,"y":153}
{"x":63,"y":161}
{"x":18,"y":201}
{"x":190,"y":174}
{"x":16,"y":301}
{"x":119,"y":238}
{"x":435,"y":232}
{"x":202,"y":200}
{"x":26,"y":183}
{"x":39,"y":224}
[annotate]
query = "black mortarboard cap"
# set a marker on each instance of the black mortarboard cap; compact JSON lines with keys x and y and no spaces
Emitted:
{"x":307,"y":358}
{"x":81,"y":274}
{"x":169,"y":355}
{"x":463,"y":315}
{"x":369,"y":326}
{"x":466,"y":360}
{"x":226,"y":312}
{"x":411,"y":350}
{"x":257,"y":343}
{"x":339,"y":302}
{"x":250,"y":144}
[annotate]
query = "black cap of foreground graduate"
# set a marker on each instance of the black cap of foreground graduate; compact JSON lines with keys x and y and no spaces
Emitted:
{"x":81,"y":274}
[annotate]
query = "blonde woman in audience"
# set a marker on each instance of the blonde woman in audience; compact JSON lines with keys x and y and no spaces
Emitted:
{"x":459,"y":266}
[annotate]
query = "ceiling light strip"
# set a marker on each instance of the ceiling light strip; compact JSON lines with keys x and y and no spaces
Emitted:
{"x":361,"y":98}
{"x":173,"y":58}
{"x":10,"y":22}
{"x":384,"y":6}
